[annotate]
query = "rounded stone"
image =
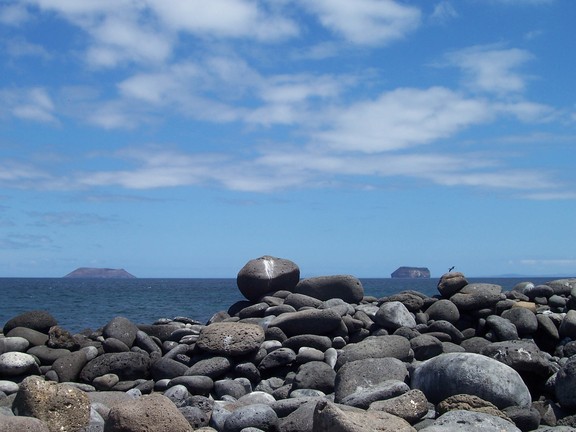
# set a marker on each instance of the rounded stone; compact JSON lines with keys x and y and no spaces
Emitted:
{"x":128,"y":366}
{"x":363,"y":397}
{"x":315,"y":375}
{"x":34,"y":337}
{"x":17,"y":363}
{"x":213,"y":367}
{"x":277,"y":358}
{"x":470,"y":421}
{"x":525,"y":320}
{"x":477,"y":296}
{"x":467,"y":373}
{"x":443,"y":310}
{"x":8,"y":387}
{"x":308,"y":321}
{"x":39,"y":320}
{"x":16,"y":343}
{"x":230,"y":339}
{"x":425,"y":347}
{"x":68,"y":367}
{"x":259,"y":416}
{"x":167,"y":368}
{"x":345,"y":287}
{"x":267,"y":274}
{"x":23,"y":424}
{"x":393,"y":315}
{"x":47,"y":355}
{"x":520,"y":355}
{"x":410,"y":406}
{"x":196,"y":385}
{"x":503,"y":329}
{"x":319,"y":342}
{"x":122,"y":329}
{"x":376,"y":347}
{"x":450,"y":283}
{"x":565,"y":384}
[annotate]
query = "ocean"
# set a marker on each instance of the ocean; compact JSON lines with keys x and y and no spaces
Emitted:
{"x":79,"y":304}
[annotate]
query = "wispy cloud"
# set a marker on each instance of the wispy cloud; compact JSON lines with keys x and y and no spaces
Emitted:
{"x":443,"y":12}
{"x":34,"y":104}
{"x":14,"y":14}
{"x":67,"y":218}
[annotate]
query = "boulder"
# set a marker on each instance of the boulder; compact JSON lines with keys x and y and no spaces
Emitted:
{"x":39,"y":320}
{"x":61,"y":406}
{"x":477,"y":296}
{"x":315,"y":375}
{"x":213,"y":367}
{"x":410,"y":406}
{"x":468,"y":402}
{"x":68,"y":367}
{"x":258,"y":416}
{"x":345,"y":287}
{"x":127,"y":365}
{"x":364,"y":396}
{"x":565,"y":384}
{"x":308,"y":321}
{"x":230,"y":338}
{"x":520,"y":355}
{"x":122,"y":329}
{"x":474,"y":374}
{"x":267,"y":274}
{"x":523,"y":319}
{"x":17,"y":363}
{"x":393,"y":315}
{"x":34,"y":337}
{"x":15,"y":343}
{"x":22,"y":424}
{"x":443,"y":310}
{"x":450,"y":283}
{"x":328,"y":417}
{"x":470,"y":421}
{"x":376,"y":347}
{"x":151,"y":413}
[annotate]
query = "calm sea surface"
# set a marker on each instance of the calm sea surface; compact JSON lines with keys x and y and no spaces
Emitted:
{"x":78,"y":304}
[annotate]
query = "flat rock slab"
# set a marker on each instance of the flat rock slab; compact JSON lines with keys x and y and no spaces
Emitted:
{"x":230,"y":339}
{"x":470,"y":421}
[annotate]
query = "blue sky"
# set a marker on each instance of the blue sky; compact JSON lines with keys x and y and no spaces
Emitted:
{"x":181,"y":138}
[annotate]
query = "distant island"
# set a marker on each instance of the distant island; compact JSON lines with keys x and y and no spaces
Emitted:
{"x":411,"y":273}
{"x":101,"y":273}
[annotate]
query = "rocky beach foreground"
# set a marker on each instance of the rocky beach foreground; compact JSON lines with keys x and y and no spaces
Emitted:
{"x":303,"y":355}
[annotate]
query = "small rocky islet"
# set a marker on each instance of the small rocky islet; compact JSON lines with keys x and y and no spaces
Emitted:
{"x":315,"y":354}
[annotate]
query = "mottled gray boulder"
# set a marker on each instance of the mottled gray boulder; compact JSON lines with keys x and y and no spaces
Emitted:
{"x":566,"y":383}
{"x":68,"y":367}
{"x":502,"y":328}
{"x":39,"y":320}
{"x":22,"y":424}
{"x":309,"y":321}
{"x":213,"y":367}
{"x":319,"y":342}
{"x":426,"y":346}
{"x":195,"y":416}
{"x":328,"y":417}
{"x":167,"y":368}
{"x":443,"y":310}
{"x":34,"y":337}
{"x":477,"y":296}
{"x":60,"y":406}
{"x":17,"y":343}
{"x":520,"y":355}
{"x":474,"y":374}
{"x":524,"y":320}
{"x":47,"y":355}
{"x":298,"y":301}
{"x":277,"y":358}
{"x":196,"y":384}
{"x":393,"y":315}
{"x":299,"y":420}
{"x":17,"y":363}
{"x":364,"y":396}
{"x":365,"y":374}
{"x":448,"y":328}
{"x":259,"y":416}
{"x":345,"y":287}
{"x":267,"y":274}
{"x":468,"y":402}
{"x":315,"y":375}
{"x":122,"y":329}
{"x":151,"y":413}
{"x":458,"y":421}
{"x":230,"y":339}
{"x":450,"y":283}
{"x":376,"y":347}
{"x":411,"y":406}
{"x":230,"y":387}
{"x":128,"y":366}
{"x":475,"y":344}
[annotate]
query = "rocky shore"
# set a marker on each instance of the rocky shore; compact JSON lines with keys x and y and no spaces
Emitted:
{"x":305,"y":355}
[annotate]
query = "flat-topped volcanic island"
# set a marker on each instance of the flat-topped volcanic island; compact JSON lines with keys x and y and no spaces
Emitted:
{"x":100,"y":273}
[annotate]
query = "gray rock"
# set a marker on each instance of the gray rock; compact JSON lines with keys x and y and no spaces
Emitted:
{"x":366,"y":374}
{"x":153,"y":412}
{"x":393,"y":315}
{"x":34,"y":337}
{"x":17,"y":363}
{"x":315,"y":375}
{"x":178,"y":394}
{"x":254,"y":311}
{"x":260,"y":416}
{"x":311,"y":321}
{"x":376,"y":347}
{"x":105,"y":382}
{"x":229,"y":387}
{"x":22,"y":424}
{"x":523,"y":319}
{"x":477,"y":296}
{"x":47,"y":355}
{"x":298,"y":301}
{"x":345,"y":287}
{"x":328,"y":417}
{"x":442,"y":326}
{"x":458,"y":420}
{"x":145,"y":342}
{"x":127,"y":366}
{"x":167,"y":368}
{"x":230,"y":339}
{"x":267,"y":274}
{"x":39,"y":320}
{"x":247,"y":370}
{"x":474,"y":374}
{"x":450,"y":283}
{"x":17,"y":343}
{"x":60,"y":406}
{"x":475,"y":344}
{"x":195,"y":416}
{"x":257,"y":397}
{"x":300,"y":420}
{"x":196,"y":385}
{"x":122,"y":329}
{"x":363,"y":397}
{"x":411,"y":406}
{"x":411,"y":301}
{"x":502,"y":328}
{"x":425,"y":347}
{"x":468,"y":402}
{"x":443,"y":310}
{"x":321,"y":343}
{"x":306,"y":354}
{"x":565,"y":384}
{"x":213,"y":367}
{"x":526,"y":419}
{"x":568,"y":325}
{"x":8,"y":388}
{"x":277,"y":358}
{"x":520,"y":355}
{"x":68,"y":367}
{"x":114,"y":345}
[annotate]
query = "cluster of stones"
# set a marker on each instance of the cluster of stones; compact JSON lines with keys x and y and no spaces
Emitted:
{"x":306,"y":355}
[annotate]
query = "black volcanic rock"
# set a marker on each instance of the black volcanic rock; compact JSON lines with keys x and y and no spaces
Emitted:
{"x":411,"y":273}
{"x":101,"y":273}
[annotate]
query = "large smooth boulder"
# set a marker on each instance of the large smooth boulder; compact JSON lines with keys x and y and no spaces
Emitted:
{"x":470,"y":421}
{"x":122,"y":329}
{"x":477,"y":296}
{"x":266,"y":274}
{"x":474,"y":374}
{"x":259,"y":416}
{"x":315,"y":375}
{"x":127,"y":365}
{"x":450,"y":283}
{"x":61,"y":406}
{"x":345,"y":287}
{"x":328,"y":417}
{"x":152,"y":413}
{"x":308,"y":321}
{"x":520,"y":355}
{"x":230,"y":338}
{"x":17,"y":363}
{"x":365,"y":374}
{"x":376,"y":347}
{"x":39,"y":320}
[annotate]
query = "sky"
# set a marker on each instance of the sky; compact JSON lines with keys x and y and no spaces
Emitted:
{"x":183,"y":138}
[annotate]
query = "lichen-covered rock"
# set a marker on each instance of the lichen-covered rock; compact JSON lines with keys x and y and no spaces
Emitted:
{"x":468,"y":373}
{"x":151,"y":413}
{"x":230,"y":339}
{"x":267,"y":274}
{"x":62,"y":407}
{"x":345,"y":287}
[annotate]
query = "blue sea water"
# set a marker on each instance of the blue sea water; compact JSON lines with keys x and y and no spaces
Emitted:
{"x":78,"y":304}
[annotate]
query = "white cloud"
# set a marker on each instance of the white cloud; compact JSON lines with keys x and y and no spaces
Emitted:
{"x":402,"y":118}
{"x":366,"y":22}
{"x":23,"y":48}
{"x":491,"y":69}
{"x":443,"y":12}
{"x":33,"y":104}
{"x":13,"y":14}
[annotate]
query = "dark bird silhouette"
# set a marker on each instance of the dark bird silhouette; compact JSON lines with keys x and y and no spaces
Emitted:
{"x":451,"y":268}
